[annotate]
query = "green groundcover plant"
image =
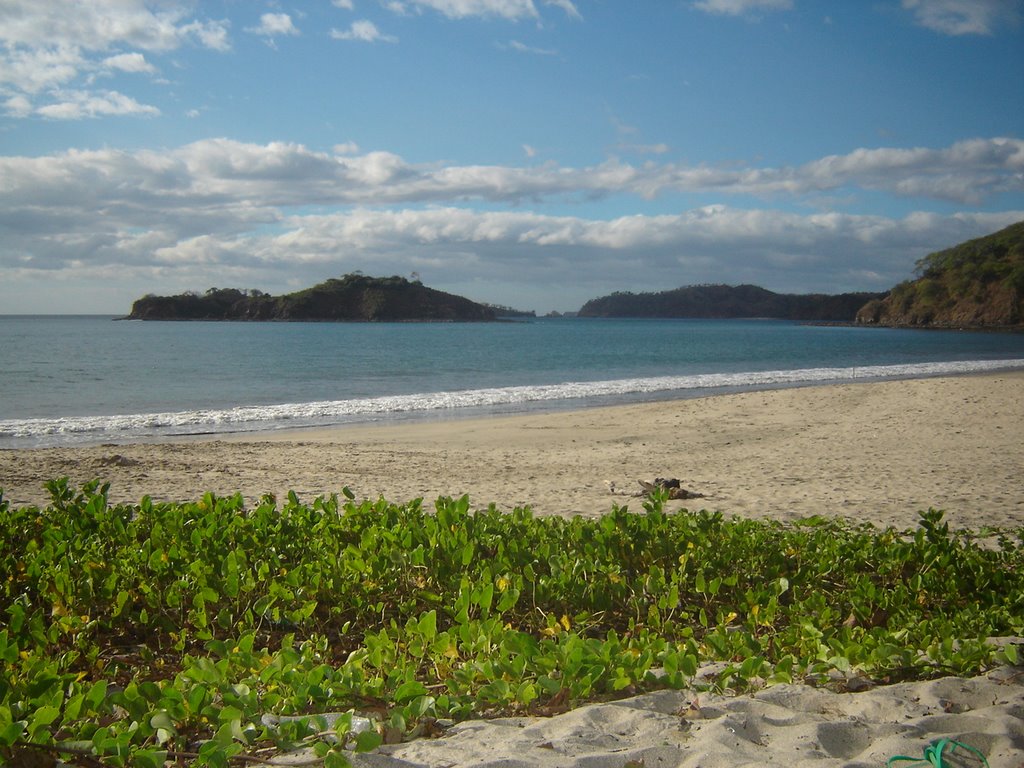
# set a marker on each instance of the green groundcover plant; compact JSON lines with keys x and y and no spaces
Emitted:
{"x":216,"y":632}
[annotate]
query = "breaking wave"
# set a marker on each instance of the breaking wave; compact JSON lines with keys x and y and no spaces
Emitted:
{"x":245,"y":418}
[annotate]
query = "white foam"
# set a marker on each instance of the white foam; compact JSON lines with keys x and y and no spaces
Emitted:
{"x":79,"y":429}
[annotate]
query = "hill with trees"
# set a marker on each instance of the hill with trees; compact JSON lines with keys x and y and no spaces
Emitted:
{"x":352,"y":298}
{"x":977,"y":284}
{"x":726,"y":301}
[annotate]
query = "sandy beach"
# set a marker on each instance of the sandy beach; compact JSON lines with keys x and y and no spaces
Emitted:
{"x":877,"y":452}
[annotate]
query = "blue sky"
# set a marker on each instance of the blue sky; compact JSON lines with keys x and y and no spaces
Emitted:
{"x":535,"y":153}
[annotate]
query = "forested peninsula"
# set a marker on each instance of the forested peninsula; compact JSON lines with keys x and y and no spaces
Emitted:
{"x":976,"y":284}
{"x":352,"y":298}
{"x":728,"y":301}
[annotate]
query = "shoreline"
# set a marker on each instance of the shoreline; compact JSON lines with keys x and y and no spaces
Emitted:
{"x":255,"y":419}
{"x":876,"y":452}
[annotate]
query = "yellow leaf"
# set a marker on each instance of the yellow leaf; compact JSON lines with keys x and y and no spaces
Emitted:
{"x":565,"y":622}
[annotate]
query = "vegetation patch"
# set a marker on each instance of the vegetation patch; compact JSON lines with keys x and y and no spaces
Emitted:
{"x":216,"y":632}
{"x":351,"y":298}
{"x":978,"y":283}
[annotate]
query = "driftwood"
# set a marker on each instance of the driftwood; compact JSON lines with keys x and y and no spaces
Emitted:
{"x":672,"y":485}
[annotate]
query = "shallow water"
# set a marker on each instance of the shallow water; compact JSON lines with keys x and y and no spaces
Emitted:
{"x":88,"y":379}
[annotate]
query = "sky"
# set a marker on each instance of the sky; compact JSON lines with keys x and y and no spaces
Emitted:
{"x":529,"y":153}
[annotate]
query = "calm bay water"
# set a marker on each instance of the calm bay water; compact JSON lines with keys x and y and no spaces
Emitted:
{"x":76,"y":379}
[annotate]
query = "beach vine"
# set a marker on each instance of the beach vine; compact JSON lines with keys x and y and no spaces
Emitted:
{"x":219,"y":633}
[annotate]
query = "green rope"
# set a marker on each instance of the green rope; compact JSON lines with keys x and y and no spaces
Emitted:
{"x":933,"y":754}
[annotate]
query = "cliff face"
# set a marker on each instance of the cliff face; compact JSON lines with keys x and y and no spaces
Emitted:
{"x":977,"y":284}
{"x":726,"y":301}
{"x":353,"y":298}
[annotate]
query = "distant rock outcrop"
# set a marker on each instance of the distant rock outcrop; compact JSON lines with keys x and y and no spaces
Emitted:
{"x":977,"y":284}
{"x":352,"y":298}
{"x":727,"y":301}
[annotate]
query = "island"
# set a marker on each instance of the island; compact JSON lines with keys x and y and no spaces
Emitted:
{"x":351,"y":298}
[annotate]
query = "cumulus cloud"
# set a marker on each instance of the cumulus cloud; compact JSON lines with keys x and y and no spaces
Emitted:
{"x":964,"y":17}
{"x":363,"y":30}
{"x":101,"y":24}
{"x":62,"y":44}
{"x":741,"y":7}
{"x":281,"y":173}
{"x":74,"y":105}
{"x":282,"y":210}
{"x":128,"y":62}
{"x":274,"y":25}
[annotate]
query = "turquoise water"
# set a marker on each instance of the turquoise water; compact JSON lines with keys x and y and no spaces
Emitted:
{"x":89,"y":379}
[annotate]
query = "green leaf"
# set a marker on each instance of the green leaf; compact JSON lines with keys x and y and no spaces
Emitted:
{"x":410,"y":690}
{"x":41,"y":718}
{"x":428,"y":625}
{"x":336,"y":759}
{"x":10,"y":730}
{"x":367,"y":741}
{"x":149,"y":758}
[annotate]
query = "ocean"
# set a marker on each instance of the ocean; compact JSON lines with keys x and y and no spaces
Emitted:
{"x":88,"y":379}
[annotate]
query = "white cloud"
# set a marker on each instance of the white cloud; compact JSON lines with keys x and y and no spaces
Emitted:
{"x":511,"y":10}
{"x":964,"y":17}
{"x":211,"y":34}
{"x":741,"y":7}
{"x":62,"y":44}
{"x":74,"y":105}
{"x":128,"y":62}
{"x":519,"y":47}
{"x":461,"y":9}
{"x":101,"y":24}
{"x":282,"y":174}
{"x":567,"y":6}
{"x":243,"y":209}
{"x":18,"y":106}
{"x":274,"y":24}
{"x":644,"y":149}
{"x":31,"y":70}
{"x":348,"y":5}
{"x":363,"y":30}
